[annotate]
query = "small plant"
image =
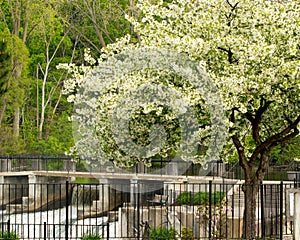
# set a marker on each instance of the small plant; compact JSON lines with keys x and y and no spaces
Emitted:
{"x":162,"y":234}
{"x":187,"y":234}
{"x":9,"y":235}
{"x":93,"y":236}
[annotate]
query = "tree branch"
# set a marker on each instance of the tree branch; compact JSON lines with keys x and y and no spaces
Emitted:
{"x":263,"y":165}
{"x":276,"y":139}
{"x":229,"y":53}
{"x":256,"y":119}
{"x":239,"y":147}
{"x":242,"y":157}
{"x":233,"y":7}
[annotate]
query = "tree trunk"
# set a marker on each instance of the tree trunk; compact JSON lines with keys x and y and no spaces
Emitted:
{"x":47,"y":122}
{"x":249,"y":221}
{"x":251,"y":188}
{"x":2,"y":111}
{"x":37,"y":98}
{"x":16,"y":124}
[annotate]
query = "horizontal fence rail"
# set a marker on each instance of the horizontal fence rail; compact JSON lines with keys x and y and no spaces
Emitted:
{"x":136,"y":210}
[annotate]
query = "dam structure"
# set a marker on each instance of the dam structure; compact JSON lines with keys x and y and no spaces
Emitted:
{"x":58,"y":198}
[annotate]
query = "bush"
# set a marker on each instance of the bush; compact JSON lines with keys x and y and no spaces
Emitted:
{"x":187,"y":234}
{"x":92,"y":237}
{"x":200,"y":198}
{"x":184,"y":198}
{"x":8,"y":235}
{"x":162,"y":234}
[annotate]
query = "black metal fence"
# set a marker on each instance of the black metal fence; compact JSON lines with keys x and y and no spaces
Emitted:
{"x":159,"y":166}
{"x":141,"y":210}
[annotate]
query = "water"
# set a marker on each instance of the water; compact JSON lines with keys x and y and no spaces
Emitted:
{"x":51,"y":224}
{"x":31,"y":225}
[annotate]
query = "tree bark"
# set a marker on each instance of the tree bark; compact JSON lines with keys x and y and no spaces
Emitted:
{"x":249,"y":220}
{"x":2,"y":111}
{"x":16,"y":123}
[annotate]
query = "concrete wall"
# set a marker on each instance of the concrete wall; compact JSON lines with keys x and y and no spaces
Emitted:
{"x":12,"y":189}
{"x":47,"y":192}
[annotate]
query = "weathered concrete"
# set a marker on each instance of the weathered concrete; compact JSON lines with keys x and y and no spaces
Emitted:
{"x":141,"y":168}
{"x":36,"y":164}
{"x":129,"y":222}
{"x":42,"y":188}
{"x":69,"y":165}
{"x":45,"y":191}
{"x":12,"y":188}
{"x":109,"y":197}
{"x":172,"y":169}
{"x":297,"y":214}
{"x":5,"y":165}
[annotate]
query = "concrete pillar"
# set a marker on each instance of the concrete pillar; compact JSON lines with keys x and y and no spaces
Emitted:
{"x":45,"y":189}
{"x":141,"y":168}
{"x":297,"y":215}
{"x":37,"y":164}
{"x":104,"y":195}
{"x":2,"y":194}
{"x":109,"y":197}
{"x":5,"y":165}
{"x":172,"y":169}
{"x":31,"y":182}
{"x":128,"y":225}
{"x":69,"y":165}
{"x":157,"y":217}
{"x":217,"y":168}
{"x":133,"y":192}
{"x":12,"y":189}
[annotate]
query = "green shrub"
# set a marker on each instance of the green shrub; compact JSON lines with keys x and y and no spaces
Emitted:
{"x":8,"y":235}
{"x":200,"y":198}
{"x":93,"y":236}
{"x":184,"y":198}
{"x":162,"y":234}
{"x":187,"y":234}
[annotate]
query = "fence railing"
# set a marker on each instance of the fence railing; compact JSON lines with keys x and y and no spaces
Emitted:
{"x":119,"y":210}
{"x":159,"y":166}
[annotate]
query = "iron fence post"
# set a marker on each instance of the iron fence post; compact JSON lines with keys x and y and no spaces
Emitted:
{"x":262,"y":210}
{"x":67,"y":211}
{"x":138,"y":210}
{"x":8,"y":226}
{"x":45,"y":231}
{"x":210,"y":210}
{"x":107,"y":230}
{"x":281,"y":211}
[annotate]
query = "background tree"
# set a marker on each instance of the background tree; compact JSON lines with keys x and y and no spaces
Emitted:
{"x":5,"y":62}
{"x":53,"y":32}
{"x":25,"y":21}
{"x":95,"y":23}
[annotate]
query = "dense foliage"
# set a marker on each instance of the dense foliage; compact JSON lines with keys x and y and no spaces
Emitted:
{"x":34,"y":38}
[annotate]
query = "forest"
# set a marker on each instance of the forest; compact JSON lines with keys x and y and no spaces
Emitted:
{"x":35,"y":37}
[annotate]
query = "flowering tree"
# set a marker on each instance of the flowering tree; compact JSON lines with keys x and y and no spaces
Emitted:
{"x":251,"y":51}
